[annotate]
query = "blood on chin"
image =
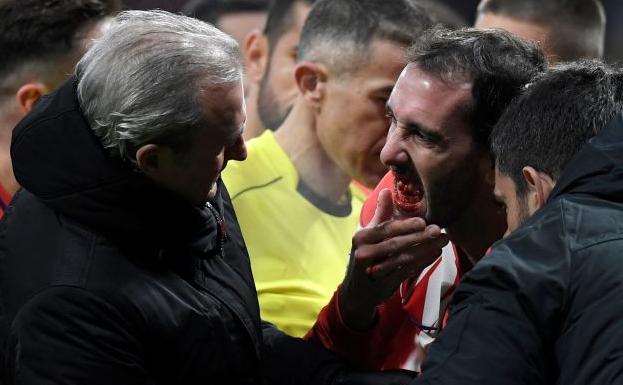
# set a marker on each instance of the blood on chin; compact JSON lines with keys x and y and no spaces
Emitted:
{"x":407,"y":208}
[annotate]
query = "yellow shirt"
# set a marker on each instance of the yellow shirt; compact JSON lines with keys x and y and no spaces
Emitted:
{"x":298,"y":251}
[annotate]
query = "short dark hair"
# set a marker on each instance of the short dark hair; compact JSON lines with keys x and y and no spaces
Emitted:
{"x":577,"y":26}
{"x":496,"y":62}
{"x":553,"y":118}
{"x":336,"y":30}
{"x":42,"y":31}
{"x":212,"y":10}
{"x":280,"y":19}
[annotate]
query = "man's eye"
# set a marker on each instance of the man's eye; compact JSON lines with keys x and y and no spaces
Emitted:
{"x":421,"y":136}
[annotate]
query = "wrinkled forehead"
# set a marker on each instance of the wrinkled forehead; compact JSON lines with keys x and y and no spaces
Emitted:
{"x":421,"y":93}
{"x":224,"y":107}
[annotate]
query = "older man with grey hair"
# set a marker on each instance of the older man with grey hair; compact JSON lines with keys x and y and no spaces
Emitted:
{"x":121,"y":261}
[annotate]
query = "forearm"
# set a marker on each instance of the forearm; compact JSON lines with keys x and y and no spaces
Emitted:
{"x":362,"y":348}
{"x":358,"y":313}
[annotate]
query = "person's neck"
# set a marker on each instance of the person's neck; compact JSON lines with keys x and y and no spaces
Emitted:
{"x":481,"y":225}
{"x":297,"y":136}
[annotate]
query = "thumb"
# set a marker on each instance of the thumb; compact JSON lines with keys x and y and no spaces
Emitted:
{"x":384,"y":208}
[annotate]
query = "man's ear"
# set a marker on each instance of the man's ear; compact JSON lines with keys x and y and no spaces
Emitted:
{"x":255,"y":52}
{"x":148,"y":160}
{"x":311,"y":79}
{"x":540,"y":185}
{"x":28,"y":94}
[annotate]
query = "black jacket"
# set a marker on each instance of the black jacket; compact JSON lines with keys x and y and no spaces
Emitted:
{"x":107,"y":279}
{"x":546,"y":306}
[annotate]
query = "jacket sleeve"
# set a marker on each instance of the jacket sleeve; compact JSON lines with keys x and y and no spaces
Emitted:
{"x":499,"y":327}
{"x":67,"y":335}
{"x":293,"y":361}
{"x":367,"y":349}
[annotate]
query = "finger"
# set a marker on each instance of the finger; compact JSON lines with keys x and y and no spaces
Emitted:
{"x":384,"y":208}
{"x":386,"y":230}
{"x":412,"y":242}
{"x":407,"y":264}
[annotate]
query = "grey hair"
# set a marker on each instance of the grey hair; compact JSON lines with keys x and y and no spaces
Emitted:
{"x":145,"y":79}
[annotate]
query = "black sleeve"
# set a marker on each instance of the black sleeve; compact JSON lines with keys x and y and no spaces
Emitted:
{"x":291,"y":360}
{"x":68,"y":336}
{"x":294,"y":361}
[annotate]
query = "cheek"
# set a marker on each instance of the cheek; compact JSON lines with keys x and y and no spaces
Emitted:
{"x":370,"y":141}
{"x":282,"y":75}
{"x":424,"y":161}
{"x":283,"y":88}
{"x":374,"y":126}
{"x":512,"y":219}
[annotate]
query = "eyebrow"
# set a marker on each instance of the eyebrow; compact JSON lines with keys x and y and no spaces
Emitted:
{"x":415,"y":127}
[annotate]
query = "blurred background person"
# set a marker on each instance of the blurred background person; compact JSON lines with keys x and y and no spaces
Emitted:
{"x":466,"y":9}
{"x":293,"y":196}
{"x":443,"y":14}
{"x":40,"y":41}
{"x":237,"y":18}
{"x":167,"y":5}
{"x":234,"y":17}
{"x":270,"y":57}
{"x":567,"y":30}
{"x":613,"y":50}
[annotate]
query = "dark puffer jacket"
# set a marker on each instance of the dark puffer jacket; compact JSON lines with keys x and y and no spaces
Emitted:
{"x":107,"y":279}
{"x":546,"y":306}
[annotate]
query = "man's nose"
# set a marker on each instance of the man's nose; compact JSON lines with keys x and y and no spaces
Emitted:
{"x":237,"y":150}
{"x":391,"y":152}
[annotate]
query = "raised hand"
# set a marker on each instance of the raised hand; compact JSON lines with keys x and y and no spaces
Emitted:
{"x":385,"y":253}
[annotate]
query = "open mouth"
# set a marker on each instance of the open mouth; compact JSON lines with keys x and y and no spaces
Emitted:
{"x":408,"y":195}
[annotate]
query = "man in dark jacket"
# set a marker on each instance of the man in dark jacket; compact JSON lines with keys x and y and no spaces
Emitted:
{"x":121,"y":261}
{"x":545,"y":305}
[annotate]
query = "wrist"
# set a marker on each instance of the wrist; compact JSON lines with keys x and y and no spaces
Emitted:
{"x":356,"y":314}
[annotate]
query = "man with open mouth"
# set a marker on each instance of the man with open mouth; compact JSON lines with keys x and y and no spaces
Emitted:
{"x":403,"y":271}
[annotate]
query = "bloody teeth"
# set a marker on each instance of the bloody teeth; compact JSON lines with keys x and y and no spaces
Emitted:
{"x":407,"y":189}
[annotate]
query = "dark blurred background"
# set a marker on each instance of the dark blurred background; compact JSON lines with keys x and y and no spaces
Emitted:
{"x":467,"y":8}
